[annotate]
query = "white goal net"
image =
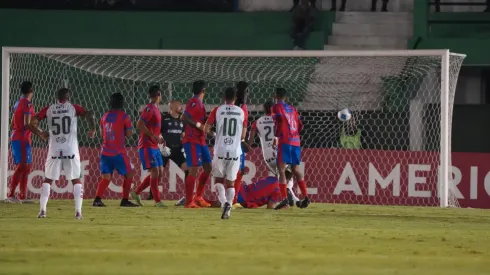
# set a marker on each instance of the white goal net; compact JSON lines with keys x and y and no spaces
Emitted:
{"x":394,"y":151}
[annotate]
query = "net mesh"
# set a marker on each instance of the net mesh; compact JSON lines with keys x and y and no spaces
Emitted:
{"x":388,"y":153}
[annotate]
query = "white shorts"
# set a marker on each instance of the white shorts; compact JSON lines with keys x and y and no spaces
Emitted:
{"x":227,"y":169}
{"x":71,"y":167}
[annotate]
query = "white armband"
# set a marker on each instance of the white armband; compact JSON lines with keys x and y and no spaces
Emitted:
{"x":198,"y":125}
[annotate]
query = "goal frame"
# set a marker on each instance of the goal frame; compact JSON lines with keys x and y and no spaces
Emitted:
{"x":445,"y":81}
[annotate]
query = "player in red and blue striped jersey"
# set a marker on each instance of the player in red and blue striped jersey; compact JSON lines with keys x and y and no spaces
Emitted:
{"x":149,"y":125}
{"x":115,"y":127}
{"x":20,"y":141}
{"x":196,"y":150}
{"x":287,"y":126}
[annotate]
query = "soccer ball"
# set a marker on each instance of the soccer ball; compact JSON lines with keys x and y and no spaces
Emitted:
{"x":344,"y":115}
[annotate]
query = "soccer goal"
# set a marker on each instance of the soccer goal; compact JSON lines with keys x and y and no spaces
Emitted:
{"x":395,"y":150}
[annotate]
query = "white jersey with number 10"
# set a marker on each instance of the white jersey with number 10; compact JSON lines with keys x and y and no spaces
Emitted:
{"x":229,"y":127}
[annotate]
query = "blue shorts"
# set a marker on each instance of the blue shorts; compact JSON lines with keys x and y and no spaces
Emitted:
{"x":289,"y":154}
{"x":150,"y":158}
{"x":21,"y":151}
{"x":120,"y":163}
{"x":196,"y":154}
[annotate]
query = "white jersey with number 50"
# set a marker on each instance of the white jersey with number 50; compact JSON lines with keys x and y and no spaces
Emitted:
{"x":229,"y":121}
{"x":62,"y":127}
{"x":265,"y":128}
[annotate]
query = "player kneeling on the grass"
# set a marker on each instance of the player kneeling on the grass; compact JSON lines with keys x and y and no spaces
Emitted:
{"x":63,"y":151}
{"x":115,"y":126}
{"x":287,"y":139}
{"x":149,"y":126}
{"x":230,"y":132}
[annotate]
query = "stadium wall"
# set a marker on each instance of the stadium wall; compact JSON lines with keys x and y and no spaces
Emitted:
{"x":464,"y":32}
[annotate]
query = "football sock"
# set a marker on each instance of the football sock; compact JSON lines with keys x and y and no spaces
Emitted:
{"x":126,"y":188}
{"x":238,"y":183}
{"x":143,"y":185}
{"x":15,"y":179}
{"x":284,"y":190}
{"x":203,"y":178}
{"x":302,"y":187}
{"x":290,"y":186}
{"x":154,"y":189}
{"x":23,"y":181}
{"x":45,"y":191}
{"x":78,"y":196}
{"x":221,"y":193}
{"x":101,"y":187}
{"x":230,"y":194}
{"x":190,"y":183}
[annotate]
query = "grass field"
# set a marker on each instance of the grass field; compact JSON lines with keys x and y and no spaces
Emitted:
{"x":323,"y":239}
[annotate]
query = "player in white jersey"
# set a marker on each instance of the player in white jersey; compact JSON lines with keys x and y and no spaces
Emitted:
{"x":231,"y":129}
{"x":264,"y":127}
{"x":63,"y":151}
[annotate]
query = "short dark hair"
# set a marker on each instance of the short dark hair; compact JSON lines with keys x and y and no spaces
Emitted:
{"x":154,"y":91}
{"x":241,"y":93}
{"x":116,"y":101}
{"x":268,"y":107}
{"x":281,"y":93}
{"x":26,"y":87}
{"x":198,"y":86}
{"x":230,"y":94}
{"x":63,"y":94}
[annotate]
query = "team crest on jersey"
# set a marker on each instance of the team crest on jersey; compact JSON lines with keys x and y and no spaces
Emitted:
{"x":193,"y":104}
{"x":181,"y":124}
{"x":170,"y":123}
{"x":148,"y":109}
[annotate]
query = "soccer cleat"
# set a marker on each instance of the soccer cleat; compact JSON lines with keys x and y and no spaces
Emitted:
{"x":201,"y":202}
{"x":180,"y":202}
{"x":290,"y":198}
{"x":135,"y":197}
{"x":236,"y":206}
{"x":26,"y":201}
{"x":305,"y":202}
{"x":98,"y":203}
{"x":127,"y":203}
{"x":12,"y":200}
{"x":283,"y":204}
{"x":191,"y":205}
{"x":226,"y":211}
{"x":41,"y":215}
{"x":160,"y":204}
{"x":298,"y":204}
{"x":78,"y":216}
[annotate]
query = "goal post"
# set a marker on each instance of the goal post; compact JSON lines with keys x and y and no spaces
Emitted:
{"x":401,"y":100}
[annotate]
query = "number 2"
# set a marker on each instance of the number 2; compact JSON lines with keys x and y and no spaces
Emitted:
{"x":63,"y":127}
{"x":268,"y":134}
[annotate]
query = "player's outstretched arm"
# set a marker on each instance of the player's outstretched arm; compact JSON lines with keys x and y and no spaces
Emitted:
{"x":89,"y":116}
{"x":34,"y":127}
{"x":245,"y":145}
{"x":188,"y":120}
{"x":210,"y":122}
{"x":251,"y":137}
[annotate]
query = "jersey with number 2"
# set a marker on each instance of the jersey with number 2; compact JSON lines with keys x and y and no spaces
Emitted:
{"x":265,"y":129}
{"x":62,"y":126}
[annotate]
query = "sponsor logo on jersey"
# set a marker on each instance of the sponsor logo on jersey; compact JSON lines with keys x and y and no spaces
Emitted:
{"x":63,"y":157}
{"x":228,"y":141}
{"x":61,"y":139}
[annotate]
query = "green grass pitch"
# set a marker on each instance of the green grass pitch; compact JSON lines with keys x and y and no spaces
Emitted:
{"x":323,"y":239}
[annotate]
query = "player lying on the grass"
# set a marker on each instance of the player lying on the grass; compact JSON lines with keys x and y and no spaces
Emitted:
{"x":196,"y":150}
{"x":63,"y":151}
{"x":241,"y":101}
{"x":287,"y":140}
{"x":20,"y":141}
{"x":115,"y":127}
{"x":171,"y":131}
{"x":230,"y":131}
{"x":149,"y":125}
{"x":263,"y":192}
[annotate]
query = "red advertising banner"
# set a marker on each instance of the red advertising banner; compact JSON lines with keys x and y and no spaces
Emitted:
{"x":332,"y":175}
